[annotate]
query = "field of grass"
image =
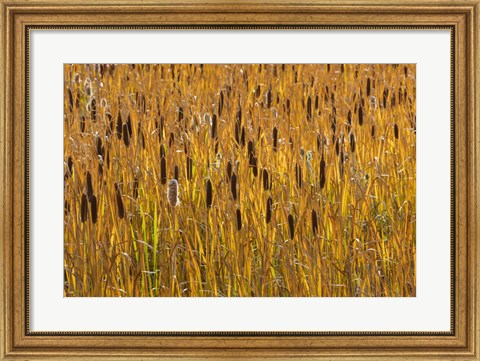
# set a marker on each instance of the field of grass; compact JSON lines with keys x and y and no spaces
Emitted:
{"x":239,"y":180}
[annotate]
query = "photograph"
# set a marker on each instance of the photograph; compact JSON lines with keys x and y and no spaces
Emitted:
{"x":239,"y":180}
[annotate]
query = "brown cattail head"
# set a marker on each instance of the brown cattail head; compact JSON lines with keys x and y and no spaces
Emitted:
{"x":291,"y":226}
{"x":163,"y":170}
{"x":372,"y":133}
{"x":214,"y":126}
{"x":309,"y":108}
{"x":314,"y":222}
{"x":220,"y":104}
{"x":126,"y":136}
{"x":395,"y":130}
{"x":82,"y":124}
{"x":70,"y":99}
{"x":239,"y":219}
{"x":172,"y":193}
{"x":254,"y":165}
{"x":93,"y":209}
{"x":93,"y":109}
{"x":229,"y":170}
{"x":176,"y":172}
{"x":209,"y":191}
{"x":360,"y":115}
{"x":352,"y":142}
{"x":268,"y":212}
{"x":322,"y":173}
{"x":266,"y":184}
{"x":119,"y":128}
{"x":84,"y":208}
{"x":120,"y":208}
{"x":275,"y":138}
{"x":233,"y":185}
{"x":269,"y":98}
{"x":89,"y":186}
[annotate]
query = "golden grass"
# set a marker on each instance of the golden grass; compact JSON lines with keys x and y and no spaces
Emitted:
{"x":292,"y":180}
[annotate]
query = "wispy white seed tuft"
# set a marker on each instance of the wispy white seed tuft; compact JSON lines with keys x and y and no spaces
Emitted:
{"x":173,"y":193}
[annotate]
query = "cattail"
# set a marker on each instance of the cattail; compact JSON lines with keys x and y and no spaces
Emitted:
{"x":172,"y":194}
{"x":233,"y":185}
{"x":82,"y":124}
{"x":254,"y":165}
{"x":309,"y":108}
{"x":171,"y":141}
{"x":70,"y":99}
{"x":126,"y":137}
{"x":251,"y":152}
{"x":100,"y":147}
{"x":209,"y":193}
{"x":360,"y":115}
{"x":265,"y":179}
{"x":287,"y":104}
{"x":120,"y":208}
{"x":93,"y":209}
{"x":93,"y":109}
{"x":189,"y":168}
{"x":373,"y":131}
{"x":395,"y":130}
{"x":316,"y":102}
{"x":298,"y":174}
{"x":229,"y":171}
{"x":291,"y":226}
{"x":70,"y":165}
{"x":368,"y":87}
{"x":337,"y":147}
{"x":314,"y":222}
{"x":84,"y":209}
{"x":220,"y":104}
{"x":268,"y":217}
{"x":119,"y":126}
{"x":163,"y":170}
{"x":322,"y":173}
{"x":214,"y":126}
{"x":257,"y":91}
{"x":275,"y":138}
{"x":89,"y":186}
{"x":239,"y":220}
{"x":385,"y":97}
{"x":269,"y":98}
{"x":352,"y":142}
{"x":175,"y":172}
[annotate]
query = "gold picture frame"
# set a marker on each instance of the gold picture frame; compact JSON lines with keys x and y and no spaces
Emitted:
{"x":18,"y":17}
